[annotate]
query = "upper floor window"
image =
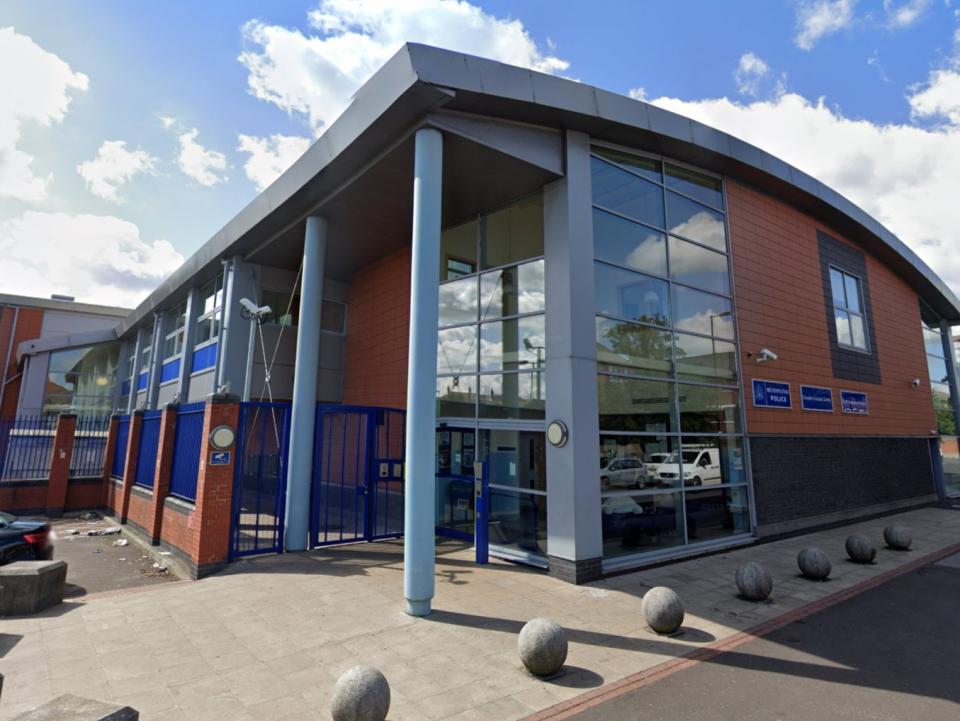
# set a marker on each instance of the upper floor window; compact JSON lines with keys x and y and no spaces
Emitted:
{"x":173,"y":341}
{"x":286,"y":311}
{"x":848,"y":310}
{"x":211,"y":300}
{"x":146,"y":350}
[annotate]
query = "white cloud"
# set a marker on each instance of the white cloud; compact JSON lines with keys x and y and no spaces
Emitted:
{"x":113,"y":167}
{"x":97,"y":258}
{"x":904,"y":175}
{"x":203,"y":165}
{"x":35,"y":86}
{"x":904,"y":14}
{"x":637,"y":93}
{"x":751,"y":70}
{"x":818,"y":18}
{"x":269,"y":157}
{"x":314,"y":74}
{"x":167,"y":121}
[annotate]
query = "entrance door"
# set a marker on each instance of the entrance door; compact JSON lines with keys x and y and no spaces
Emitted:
{"x":456,"y":507}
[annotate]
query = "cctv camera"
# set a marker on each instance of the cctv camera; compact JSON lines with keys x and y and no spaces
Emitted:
{"x":254,"y":311}
{"x":916,"y":382}
{"x":766,"y":354}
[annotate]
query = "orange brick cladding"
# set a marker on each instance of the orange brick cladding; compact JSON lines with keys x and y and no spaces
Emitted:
{"x":378,"y":326}
{"x":780,"y":305}
{"x":29,"y":324}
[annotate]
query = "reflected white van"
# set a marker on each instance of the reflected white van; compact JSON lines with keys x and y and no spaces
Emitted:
{"x":701,"y":467}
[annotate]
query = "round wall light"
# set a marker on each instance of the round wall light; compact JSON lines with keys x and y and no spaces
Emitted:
{"x":222,"y":437}
{"x":557,"y":433}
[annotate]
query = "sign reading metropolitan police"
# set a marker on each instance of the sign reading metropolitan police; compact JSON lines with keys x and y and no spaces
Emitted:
{"x":771,"y":394}
{"x":853,"y":402}
{"x":815,"y":398}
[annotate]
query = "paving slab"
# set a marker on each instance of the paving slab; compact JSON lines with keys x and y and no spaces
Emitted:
{"x":277,"y":631}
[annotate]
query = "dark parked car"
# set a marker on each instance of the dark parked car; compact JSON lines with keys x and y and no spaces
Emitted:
{"x":24,"y":539}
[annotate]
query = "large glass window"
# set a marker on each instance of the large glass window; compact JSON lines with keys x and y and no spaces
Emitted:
{"x":173,"y":341}
{"x":944,"y":402}
{"x":848,"y":310}
{"x":211,"y":301}
{"x":671,"y":447}
{"x":491,"y":356}
{"x":82,"y":380}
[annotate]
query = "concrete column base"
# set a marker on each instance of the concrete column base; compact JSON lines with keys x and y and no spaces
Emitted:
{"x":418,"y":608}
{"x":577,"y":572}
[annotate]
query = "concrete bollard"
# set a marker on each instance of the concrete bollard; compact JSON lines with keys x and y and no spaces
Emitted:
{"x":899,"y":538}
{"x":663,"y":609}
{"x":361,"y":694}
{"x":754,"y":581}
{"x":814,"y":564}
{"x":542,"y":645}
{"x":860,"y":548}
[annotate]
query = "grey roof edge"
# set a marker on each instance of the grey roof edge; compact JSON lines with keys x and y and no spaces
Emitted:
{"x":70,"y":306}
{"x":70,"y":340}
{"x":462,"y":72}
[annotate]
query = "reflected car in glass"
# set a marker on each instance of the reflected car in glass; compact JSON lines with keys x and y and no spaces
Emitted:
{"x":700,"y":467}
{"x":627,"y":472}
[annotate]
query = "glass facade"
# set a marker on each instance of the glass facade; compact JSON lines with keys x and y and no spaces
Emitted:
{"x":944,"y":403}
{"x":672,"y":469}
{"x":491,"y":355}
{"x":82,"y":380}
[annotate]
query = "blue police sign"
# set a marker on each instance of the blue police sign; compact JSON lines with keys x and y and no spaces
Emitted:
{"x":853,"y":402}
{"x":220,"y":458}
{"x":815,"y":398}
{"x":771,"y":394}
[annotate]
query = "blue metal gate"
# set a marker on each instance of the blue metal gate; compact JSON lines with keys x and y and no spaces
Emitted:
{"x":357,"y":492}
{"x":260,"y":474}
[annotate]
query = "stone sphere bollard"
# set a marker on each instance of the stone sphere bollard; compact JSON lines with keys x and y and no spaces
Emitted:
{"x":361,"y":694}
{"x":754,"y":581}
{"x":814,"y":564}
{"x":542,"y":645}
{"x":898,"y":538}
{"x":662,"y":609}
{"x":860,"y":549}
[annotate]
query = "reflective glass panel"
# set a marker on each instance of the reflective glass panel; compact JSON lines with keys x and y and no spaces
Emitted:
{"x":511,"y":291}
{"x":843,"y":327}
{"x":933,"y":342}
{"x":858,"y":335}
{"x":518,"y":521}
{"x":622,"y":192}
{"x":950,"y":453}
{"x":514,"y":233}
{"x":640,"y":348}
{"x":518,"y":344}
{"x":705,"y":359}
{"x":633,"y":462}
{"x":695,"y":221}
{"x":695,"y":265}
{"x":621,"y":241}
{"x":702,"y":313}
{"x":704,"y":409}
{"x":456,"y":396}
{"x":938,"y":369}
{"x":517,"y":459}
{"x":458,"y":251}
{"x":457,"y":350}
{"x":712,"y":461}
{"x":941,"y":396}
{"x":647,"y":167}
{"x":630,"y":295}
{"x":837,"y":289}
{"x":852,"y":286}
{"x":702,"y":187}
{"x":512,"y":395}
{"x":644,"y":522}
{"x":630,"y":404}
{"x":946,"y":421}
{"x":715,"y":513}
{"x":458,"y":302}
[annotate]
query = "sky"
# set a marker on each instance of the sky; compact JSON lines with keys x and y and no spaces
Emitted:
{"x":130,"y":133}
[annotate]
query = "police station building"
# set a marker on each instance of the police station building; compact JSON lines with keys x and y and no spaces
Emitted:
{"x":655,"y":339}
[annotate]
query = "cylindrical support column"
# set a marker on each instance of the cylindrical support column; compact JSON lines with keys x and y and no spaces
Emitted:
{"x":419,"y":521}
{"x":304,"y":408}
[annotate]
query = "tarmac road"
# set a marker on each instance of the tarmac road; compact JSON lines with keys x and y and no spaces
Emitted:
{"x":890,"y":654}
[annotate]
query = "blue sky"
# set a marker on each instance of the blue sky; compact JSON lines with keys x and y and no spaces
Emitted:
{"x":133,"y":131}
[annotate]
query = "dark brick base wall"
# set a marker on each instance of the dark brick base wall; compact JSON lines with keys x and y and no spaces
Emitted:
{"x":799,"y":478}
{"x":583,"y":571}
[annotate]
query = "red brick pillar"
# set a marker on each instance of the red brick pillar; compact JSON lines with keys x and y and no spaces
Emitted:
{"x":215,"y":487}
{"x":161,"y":477}
{"x":60,"y":464}
{"x":130,"y":464}
{"x":108,"y":451}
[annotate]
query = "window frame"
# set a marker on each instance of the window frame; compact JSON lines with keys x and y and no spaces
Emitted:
{"x":213,"y":313}
{"x":862,"y":313}
{"x":178,"y":313}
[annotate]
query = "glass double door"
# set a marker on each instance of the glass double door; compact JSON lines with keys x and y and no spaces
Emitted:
{"x":515,"y":464}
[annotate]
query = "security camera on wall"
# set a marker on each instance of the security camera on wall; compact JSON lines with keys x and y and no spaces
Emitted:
{"x":765,"y":354}
{"x":252,"y":310}
{"x":916,"y":382}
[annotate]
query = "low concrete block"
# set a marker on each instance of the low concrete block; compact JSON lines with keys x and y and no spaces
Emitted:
{"x":74,"y":708}
{"x":30,"y":586}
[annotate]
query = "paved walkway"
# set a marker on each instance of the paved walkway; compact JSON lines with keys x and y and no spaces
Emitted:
{"x":268,"y":639}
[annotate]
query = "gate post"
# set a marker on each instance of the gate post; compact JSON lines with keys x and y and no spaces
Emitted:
{"x":161,"y":474}
{"x":61,"y":455}
{"x":108,"y":452}
{"x":130,"y":464}
{"x":214,"y":498}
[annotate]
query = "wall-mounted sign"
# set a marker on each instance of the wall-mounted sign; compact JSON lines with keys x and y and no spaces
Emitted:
{"x":220,"y":458}
{"x":771,"y":394}
{"x":853,"y":402}
{"x":815,"y":398}
{"x":222,"y":437}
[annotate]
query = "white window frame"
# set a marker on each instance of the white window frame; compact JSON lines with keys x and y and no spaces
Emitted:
{"x":862,"y":313}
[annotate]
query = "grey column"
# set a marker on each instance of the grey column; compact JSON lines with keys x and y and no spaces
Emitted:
{"x":153,"y":378}
{"x":304,"y":407}
{"x":189,"y":338}
{"x":135,"y":372}
{"x":574,"y":532}
{"x":235,"y":335}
